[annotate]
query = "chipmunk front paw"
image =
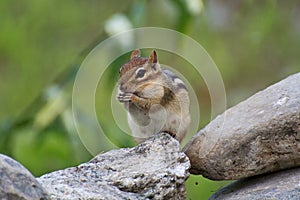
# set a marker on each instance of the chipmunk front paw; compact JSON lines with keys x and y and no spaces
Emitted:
{"x":124,"y":97}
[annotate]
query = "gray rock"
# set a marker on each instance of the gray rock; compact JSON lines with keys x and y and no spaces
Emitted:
{"x":16,"y":182}
{"x":284,"y":185}
{"x":155,"y":169}
{"x":259,"y":135}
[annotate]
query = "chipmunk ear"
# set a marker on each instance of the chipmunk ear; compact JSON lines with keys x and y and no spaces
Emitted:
{"x":153,"y":57}
{"x":136,"y":53}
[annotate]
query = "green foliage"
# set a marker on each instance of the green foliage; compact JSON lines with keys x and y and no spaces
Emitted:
{"x":43,"y":153}
{"x":42,"y":44}
{"x":201,"y":188}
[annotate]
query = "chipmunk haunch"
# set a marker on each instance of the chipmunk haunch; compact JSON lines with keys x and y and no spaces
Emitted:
{"x":156,"y":99}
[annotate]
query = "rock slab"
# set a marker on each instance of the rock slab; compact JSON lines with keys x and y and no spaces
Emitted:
{"x":284,"y":185}
{"x":155,"y":169}
{"x":16,"y":182}
{"x":257,"y":136}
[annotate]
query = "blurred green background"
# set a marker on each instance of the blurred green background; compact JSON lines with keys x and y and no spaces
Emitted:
{"x":42,"y":44}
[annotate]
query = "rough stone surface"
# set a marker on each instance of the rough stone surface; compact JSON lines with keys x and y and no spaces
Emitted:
{"x":259,"y":135}
{"x":155,"y":169}
{"x":16,"y":182}
{"x":284,"y":185}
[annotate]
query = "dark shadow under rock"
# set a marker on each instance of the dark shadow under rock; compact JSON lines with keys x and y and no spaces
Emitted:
{"x":284,"y":185}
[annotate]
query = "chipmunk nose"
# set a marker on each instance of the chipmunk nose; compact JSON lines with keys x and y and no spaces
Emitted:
{"x":122,"y":88}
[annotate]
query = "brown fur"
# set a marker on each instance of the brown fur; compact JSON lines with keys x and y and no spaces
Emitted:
{"x":158,"y":91}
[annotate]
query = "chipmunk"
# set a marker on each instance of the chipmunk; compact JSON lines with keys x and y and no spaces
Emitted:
{"x":156,"y":99}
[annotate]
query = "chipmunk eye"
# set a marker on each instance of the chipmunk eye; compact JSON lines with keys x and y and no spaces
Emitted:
{"x":140,"y":73}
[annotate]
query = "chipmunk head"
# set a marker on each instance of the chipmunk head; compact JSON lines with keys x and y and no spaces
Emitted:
{"x":139,"y":71}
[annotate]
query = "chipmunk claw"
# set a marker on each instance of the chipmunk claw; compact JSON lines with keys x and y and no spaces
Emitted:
{"x":124,"y":97}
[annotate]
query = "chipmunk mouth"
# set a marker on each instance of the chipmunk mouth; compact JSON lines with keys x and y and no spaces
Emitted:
{"x":136,"y":93}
